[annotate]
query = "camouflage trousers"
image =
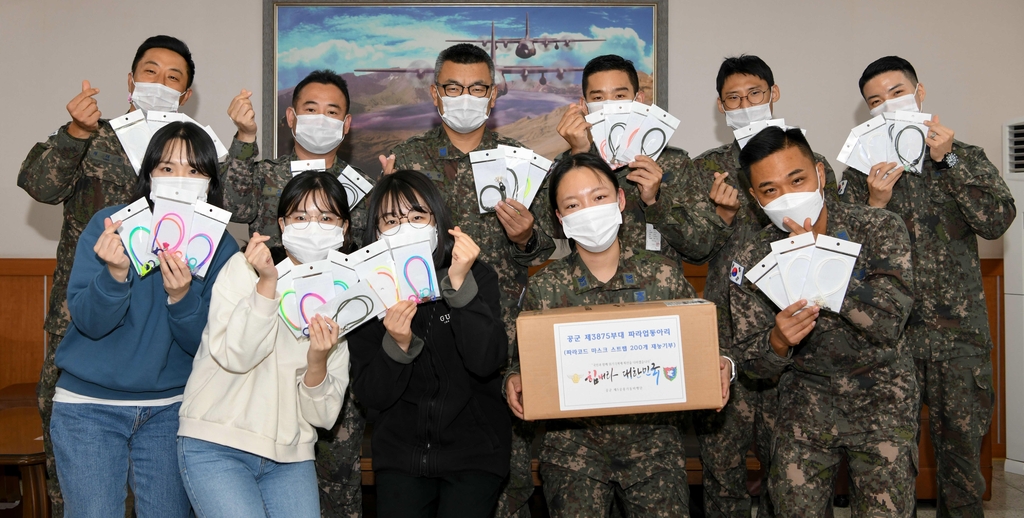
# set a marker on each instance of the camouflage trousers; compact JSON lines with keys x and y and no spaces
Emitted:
{"x":44,"y":393}
{"x":338,"y":454}
{"x":883,"y":469}
{"x":959,"y":396}
{"x":726,"y":436}
{"x":518,"y":486}
{"x":570,"y":494}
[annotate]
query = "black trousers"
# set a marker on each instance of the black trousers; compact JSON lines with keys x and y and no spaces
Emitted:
{"x":468,"y":494}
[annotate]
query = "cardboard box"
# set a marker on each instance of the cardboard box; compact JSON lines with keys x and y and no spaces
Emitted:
{"x":619,"y":359}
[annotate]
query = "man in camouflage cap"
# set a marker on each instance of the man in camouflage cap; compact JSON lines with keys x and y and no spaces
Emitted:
{"x":320,"y":120}
{"x":83,"y":166}
{"x":955,"y":196}
{"x":745,"y":85}
{"x":846,"y":383}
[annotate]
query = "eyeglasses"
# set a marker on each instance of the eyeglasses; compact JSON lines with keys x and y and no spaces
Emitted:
{"x":733,"y":101}
{"x":301,"y":220}
{"x":388,"y":223}
{"x":455,"y":89}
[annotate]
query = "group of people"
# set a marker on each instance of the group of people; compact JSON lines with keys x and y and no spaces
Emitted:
{"x":192,"y":392}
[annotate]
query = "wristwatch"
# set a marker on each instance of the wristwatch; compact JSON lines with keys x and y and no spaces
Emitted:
{"x":948,"y":160}
{"x":531,"y":244}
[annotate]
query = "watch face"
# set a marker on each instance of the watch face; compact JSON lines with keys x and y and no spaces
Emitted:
{"x":951,"y":159}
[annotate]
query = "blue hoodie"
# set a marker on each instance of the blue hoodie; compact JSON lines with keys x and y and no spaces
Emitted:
{"x":125,"y":341}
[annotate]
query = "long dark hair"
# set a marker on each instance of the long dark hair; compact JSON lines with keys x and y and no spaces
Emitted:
{"x":400,"y":188}
{"x":328,"y":196}
{"x":199,"y":151}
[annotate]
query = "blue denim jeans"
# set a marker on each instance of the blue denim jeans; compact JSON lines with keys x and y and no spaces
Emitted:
{"x":224,"y":481}
{"x":100,"y":448}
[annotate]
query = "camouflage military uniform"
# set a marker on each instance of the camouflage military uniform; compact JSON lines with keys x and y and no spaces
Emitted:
{"x":725,"y":436}
{"x":84,"y":175}
{"x":948,"y":333}
{"x":450,"y":169}
{"x":848,"y":387}
{"x":252,"y":192}
{"x":586,"y":462}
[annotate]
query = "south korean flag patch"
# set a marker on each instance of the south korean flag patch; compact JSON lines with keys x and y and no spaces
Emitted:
{"x":736,"y":273}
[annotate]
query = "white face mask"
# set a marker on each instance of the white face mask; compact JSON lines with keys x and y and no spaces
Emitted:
{"x":597,"y":106}
{"x":427,"y":233}
{"x":318,"y":134}
{"x":742,"y":117}
{"x":797,"y":206}
{"x":312,"y":243}
{"x":197,"y":184}
{"x":464,"y":113}
{"x":903,"y":103}
{"x":155,"y":97}
{"x":594,"y":228}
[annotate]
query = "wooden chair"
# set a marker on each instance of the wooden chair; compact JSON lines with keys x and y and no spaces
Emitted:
{"x":21,"y":445}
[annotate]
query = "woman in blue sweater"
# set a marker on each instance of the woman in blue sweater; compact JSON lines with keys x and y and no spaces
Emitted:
{"x":129,"y":349}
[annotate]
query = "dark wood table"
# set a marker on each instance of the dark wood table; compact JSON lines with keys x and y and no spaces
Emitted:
{"x":21,"y":445}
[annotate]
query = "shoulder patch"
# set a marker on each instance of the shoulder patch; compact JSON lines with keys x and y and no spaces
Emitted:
{"x":842,"y":186}
{"x":736,"y":274}
{"x":639,"y":296}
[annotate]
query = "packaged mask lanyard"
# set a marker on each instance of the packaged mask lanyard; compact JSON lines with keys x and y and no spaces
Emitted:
{"x":909,"y":165}
{"x":421,"y":294}
{"x":367,"y":304}
{"x":500,"y":188}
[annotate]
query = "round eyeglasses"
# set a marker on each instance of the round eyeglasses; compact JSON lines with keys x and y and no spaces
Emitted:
{"x":756,"y":96}
{"x":301,"y":220}
{"x":388,"y":224}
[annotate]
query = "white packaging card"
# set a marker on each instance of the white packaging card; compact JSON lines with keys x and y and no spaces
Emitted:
{"x":828,"y":275}
{"x":222,"y":150}
{"x":599,"y":134}
{"x":352,"y":307}
{"x":208,"y":225}
{"x":874,"y":139}
{"x":539,"y":167}
{"x":157,"y":119}
{"x":135,"y":235}
{"x":616,"y":363}
{"x":517,"y":164}
{"x":134,"y":134}
{"x":853,"y":155}
{"x":288,"y":303}
{"x":652,"y":136}
{"x":491,"y":178}
{"x":172,"y":219}
{"x":417,"y":277}
{"x":794,"y":257}
{"x":637,"y":115}
{"x":299,"y":166}
{"x":652,"y":238}
{"x":616,"y":117}
{"x":907,"y":133}
{"x":767,"y":277}
{"x":376,"y":267}
{"x":343,"y":268}
{"x":314,"y":286}
{"x":355,"y":185}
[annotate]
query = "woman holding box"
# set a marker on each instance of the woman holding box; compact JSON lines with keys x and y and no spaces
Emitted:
{"x":635,"y":462}
{"x":430,"y":373}
{"x":245,"y":445}
{"x":128,"y":352}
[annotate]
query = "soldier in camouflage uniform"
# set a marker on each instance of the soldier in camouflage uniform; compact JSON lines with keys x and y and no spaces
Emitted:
{"x":846,"y":382}
{"x":83,"y":166}
{"x":635,"y":463}
{"x":443,"y":155}
{"x":726,"y":436}
{"x":252,"y":191}
{"x":957,"y":196}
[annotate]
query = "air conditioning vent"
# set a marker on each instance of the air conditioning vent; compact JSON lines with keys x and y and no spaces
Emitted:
{"x":1013,"y":147}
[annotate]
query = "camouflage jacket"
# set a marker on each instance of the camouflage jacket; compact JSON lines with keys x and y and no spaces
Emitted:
{"x":434,"y":154}
{"x":252,"y":190}
{"x":749,"y":220}
{"x":690,"y":230}
{"x":585,"y":444}
{"x":853,"y":373}
{"x":943,"y":211}
{"x":86,"y":176}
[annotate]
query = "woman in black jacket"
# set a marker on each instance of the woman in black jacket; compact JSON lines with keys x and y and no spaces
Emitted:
{"x":430,"y":373}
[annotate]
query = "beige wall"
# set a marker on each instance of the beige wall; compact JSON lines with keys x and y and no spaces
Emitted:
{"x":816,"y":49}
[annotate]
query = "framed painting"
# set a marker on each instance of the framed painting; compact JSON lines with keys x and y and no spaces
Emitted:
{"x":386,"y":51}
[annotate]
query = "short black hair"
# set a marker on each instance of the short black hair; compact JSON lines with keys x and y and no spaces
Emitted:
{"x":199,"y":151}
{"x":331,"y":193}
{"x":323,"y":77}
{"x":611,"y":62}
{"x":767,"y":142}
{"x":587,"y":160}
{"x":743,"y":64}
{"x":887,"y":64}
{"x":400,"y":188}
{"x":172,"y":44}
{"x":463,"y":54}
